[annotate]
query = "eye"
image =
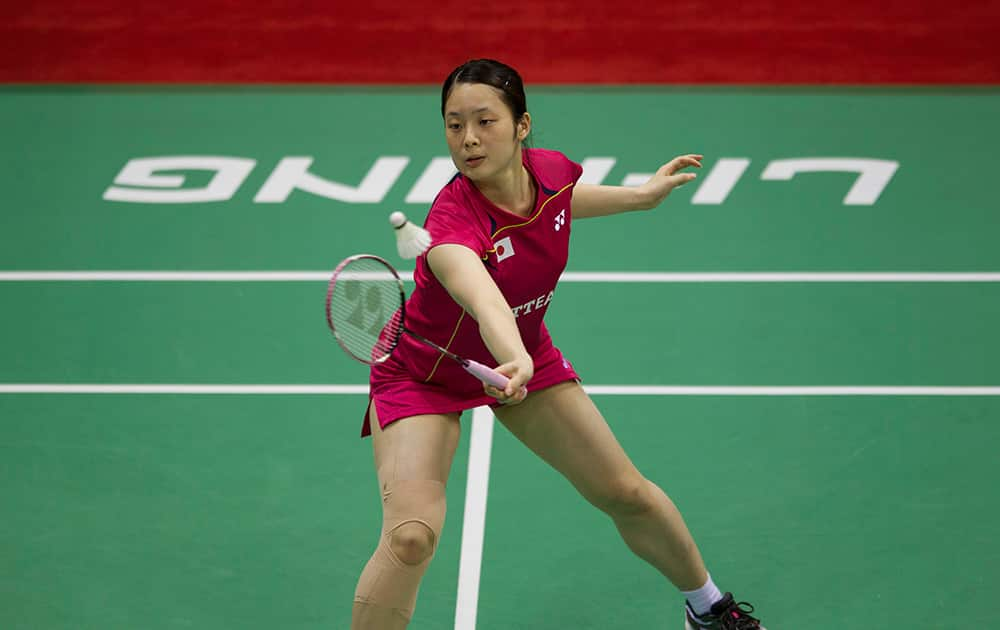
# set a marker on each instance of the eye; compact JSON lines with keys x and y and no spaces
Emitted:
{"x":454,"y":126}
{"x":486,"y":121}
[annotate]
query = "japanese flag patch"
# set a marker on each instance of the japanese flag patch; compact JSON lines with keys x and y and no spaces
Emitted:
{"x":504,"y":249}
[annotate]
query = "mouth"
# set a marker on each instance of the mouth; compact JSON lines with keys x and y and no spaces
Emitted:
{"x":473,"y":162}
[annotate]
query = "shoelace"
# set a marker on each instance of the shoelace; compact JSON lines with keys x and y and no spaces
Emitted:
{"x":737,"y":617}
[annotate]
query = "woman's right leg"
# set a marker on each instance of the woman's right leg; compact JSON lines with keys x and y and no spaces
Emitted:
{"x":412,"y":458}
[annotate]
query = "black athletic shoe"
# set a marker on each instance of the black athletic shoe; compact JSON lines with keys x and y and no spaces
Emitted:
{"x":726,"y":614}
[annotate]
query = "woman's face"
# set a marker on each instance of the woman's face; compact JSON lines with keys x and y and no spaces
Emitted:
{"x":482,"y":136}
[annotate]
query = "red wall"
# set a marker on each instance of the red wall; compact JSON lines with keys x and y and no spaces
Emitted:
{"x":723,"y":41}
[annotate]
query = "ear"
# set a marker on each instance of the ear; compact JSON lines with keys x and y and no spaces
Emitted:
{"x":524,"y":126}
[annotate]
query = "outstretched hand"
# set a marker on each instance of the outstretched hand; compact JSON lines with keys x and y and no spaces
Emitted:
{"x":668,"y":177}
{"x":519,"y":372}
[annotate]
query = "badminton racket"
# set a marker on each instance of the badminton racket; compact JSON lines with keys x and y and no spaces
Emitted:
{"x":366,"y":311}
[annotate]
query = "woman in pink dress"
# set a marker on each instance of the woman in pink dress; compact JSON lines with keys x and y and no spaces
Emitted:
{"x":500,"y":233}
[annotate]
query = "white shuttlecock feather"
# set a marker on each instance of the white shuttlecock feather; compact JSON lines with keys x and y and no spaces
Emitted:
{"x":411,"y":240}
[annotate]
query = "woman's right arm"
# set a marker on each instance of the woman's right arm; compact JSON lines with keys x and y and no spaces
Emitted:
{"x":462,"y":273}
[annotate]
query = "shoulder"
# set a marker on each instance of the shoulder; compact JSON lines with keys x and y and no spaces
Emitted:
{"x":450,"y":192}
{"x":552,"y":168}
{"x":451,"y":200}
{"x":454,"y":218}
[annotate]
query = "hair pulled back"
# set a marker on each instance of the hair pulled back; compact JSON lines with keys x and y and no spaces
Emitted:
{"x":493,"y":73}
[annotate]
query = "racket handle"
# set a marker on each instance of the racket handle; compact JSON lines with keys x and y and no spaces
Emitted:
{"x":486,"y":375}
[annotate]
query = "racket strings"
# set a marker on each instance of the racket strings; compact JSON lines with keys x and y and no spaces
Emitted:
{"x":365,"y":309}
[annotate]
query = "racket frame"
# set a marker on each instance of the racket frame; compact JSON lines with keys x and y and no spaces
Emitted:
{"x":480,"y":371}
{"x":335,"y":278}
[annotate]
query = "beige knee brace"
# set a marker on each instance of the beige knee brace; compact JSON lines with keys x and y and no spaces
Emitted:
{"x":387,"y":590}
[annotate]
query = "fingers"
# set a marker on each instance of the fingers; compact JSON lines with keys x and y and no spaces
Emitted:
{"x":681,"y":179}
{"x":503,"y":397}
{"x":519,"y":372}
{"x":684,"y":161}
{"x":516,"y":389}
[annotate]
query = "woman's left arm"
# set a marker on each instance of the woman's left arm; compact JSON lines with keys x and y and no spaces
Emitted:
{"x":590,"y":200}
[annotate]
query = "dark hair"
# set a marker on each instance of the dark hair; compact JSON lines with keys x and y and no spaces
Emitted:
{"x":493,"y":73}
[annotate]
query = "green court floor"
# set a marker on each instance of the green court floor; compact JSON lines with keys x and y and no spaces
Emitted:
{"x":257,"y":511}
{"x":226,"y":512}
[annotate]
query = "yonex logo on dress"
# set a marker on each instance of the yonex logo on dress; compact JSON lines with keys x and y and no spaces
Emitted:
{"x":504,"y":248}
{"x":560,"y":220}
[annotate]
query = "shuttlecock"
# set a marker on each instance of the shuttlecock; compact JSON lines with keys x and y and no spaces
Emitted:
{"x":411,"y":240}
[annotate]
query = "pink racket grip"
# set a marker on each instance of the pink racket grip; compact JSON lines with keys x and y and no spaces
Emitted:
{"x":486,"y":375}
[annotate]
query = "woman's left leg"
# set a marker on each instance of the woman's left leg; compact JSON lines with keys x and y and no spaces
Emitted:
{"x":562,"y":426}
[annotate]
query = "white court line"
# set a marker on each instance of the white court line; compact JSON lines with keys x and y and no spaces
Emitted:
{"x":474,"y":520}
{"x":156,"y":388}
{"x":613,"y":390}
{"x":169,"y":276}
{"x":795,"y":390}
{"x":569,"y":276}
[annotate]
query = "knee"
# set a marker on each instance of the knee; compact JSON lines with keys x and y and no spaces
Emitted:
{"x":627,"y":495}
{"x":412,"y":542}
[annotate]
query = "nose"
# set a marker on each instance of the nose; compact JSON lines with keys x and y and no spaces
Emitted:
{"x":470,"y":140}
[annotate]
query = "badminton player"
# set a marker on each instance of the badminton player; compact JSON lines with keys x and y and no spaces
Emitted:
{"x":500,"y":233}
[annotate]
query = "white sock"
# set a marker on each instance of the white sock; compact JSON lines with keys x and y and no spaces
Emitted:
{"x":702,"y":599}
